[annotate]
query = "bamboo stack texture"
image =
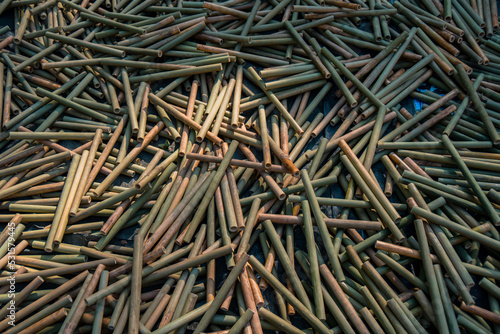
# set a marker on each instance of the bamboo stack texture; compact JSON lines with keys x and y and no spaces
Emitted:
{"x":249,"y":166}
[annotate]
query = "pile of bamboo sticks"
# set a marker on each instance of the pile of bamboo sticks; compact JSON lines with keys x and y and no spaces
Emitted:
{"x":198,"y":128}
